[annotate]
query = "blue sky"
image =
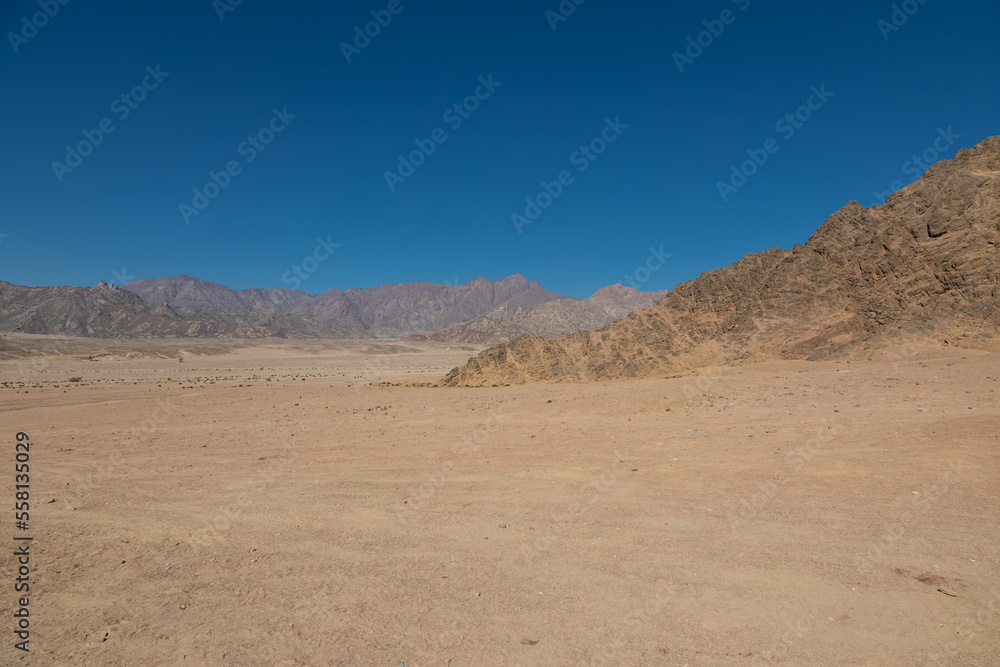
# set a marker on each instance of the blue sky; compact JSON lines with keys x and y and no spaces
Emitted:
{"x":887,"y":93}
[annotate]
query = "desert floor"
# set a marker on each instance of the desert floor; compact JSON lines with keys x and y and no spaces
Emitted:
{"x":279,"y":503}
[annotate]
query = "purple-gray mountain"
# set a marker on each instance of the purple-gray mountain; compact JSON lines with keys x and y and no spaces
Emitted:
{"x":481,"y":310}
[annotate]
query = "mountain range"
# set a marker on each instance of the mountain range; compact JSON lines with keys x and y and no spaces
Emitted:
{"x":481,"y":311}
{"x":922,"y":267}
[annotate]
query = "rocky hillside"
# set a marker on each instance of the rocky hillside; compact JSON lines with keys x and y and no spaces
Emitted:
{"x":924,"y":265}
{"x":552,"y":318}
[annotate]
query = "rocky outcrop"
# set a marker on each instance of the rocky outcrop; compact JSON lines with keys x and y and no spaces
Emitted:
{"x":924,"y":265}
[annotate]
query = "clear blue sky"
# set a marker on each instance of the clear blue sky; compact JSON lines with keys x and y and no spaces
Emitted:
{"x":323,"y":175}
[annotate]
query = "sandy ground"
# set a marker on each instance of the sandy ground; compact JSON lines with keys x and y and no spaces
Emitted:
{"x":281,"y":504}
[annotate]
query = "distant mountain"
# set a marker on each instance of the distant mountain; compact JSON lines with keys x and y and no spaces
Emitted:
{"x":104,"y":311}
{"x":923,"y":267}
{"x":480,"y":311}
{"x":335,"y":310}
{"x":398,"y":310}
{"x":184,"y":293}
{"x":387,"y":311}
{"x":280,"y":323}
{"x":552,"y":318}
{"x":617,"y":301}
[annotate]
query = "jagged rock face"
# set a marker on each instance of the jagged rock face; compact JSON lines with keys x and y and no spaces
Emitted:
{"x":924,"y":265}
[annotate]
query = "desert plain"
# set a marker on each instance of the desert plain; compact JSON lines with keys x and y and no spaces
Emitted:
{"x":323,"y":503}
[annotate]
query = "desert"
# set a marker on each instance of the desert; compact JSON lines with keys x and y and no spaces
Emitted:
{"x":297,"y":503}
{"x":511,"y":334}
